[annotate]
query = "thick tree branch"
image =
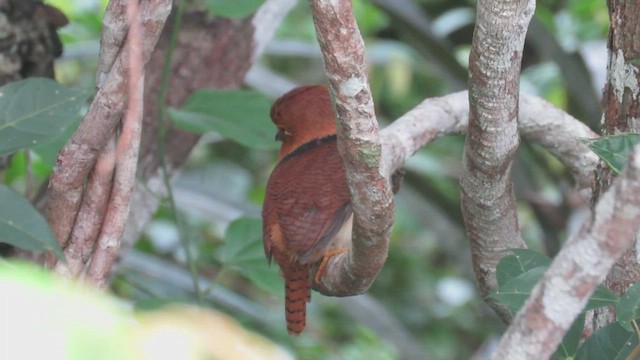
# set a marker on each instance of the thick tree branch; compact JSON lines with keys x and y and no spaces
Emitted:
{"x":622,"y":110}
{"x":621,"y":105}
{"x":91,"y":213}
{"x":359,"y":145}
{"x":556,"y":131}
{"x":488,"y":201}
{"x":581,"y":265}
{"x":126,"y":154}
{"x":78,"y":156}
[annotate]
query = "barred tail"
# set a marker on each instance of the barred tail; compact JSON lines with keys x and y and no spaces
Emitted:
{"x":297,"y":294}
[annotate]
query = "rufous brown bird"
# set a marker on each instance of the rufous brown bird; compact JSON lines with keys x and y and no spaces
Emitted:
{"x":307,"y":216}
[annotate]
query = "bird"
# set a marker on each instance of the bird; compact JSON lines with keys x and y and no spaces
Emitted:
{"x":307,"y":214}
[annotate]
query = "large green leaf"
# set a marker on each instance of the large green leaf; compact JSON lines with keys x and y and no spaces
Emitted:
{"x":244,"y":252}
{"x":234,"y":9}
{"x":612,"y":342}
{"x":629,"y":307}
{"x":240,"y":115}
{"x":569,"y":346}
{"x":516,"y":290}
{"x":22,"y":225}
{"x":601,"y":297}
{"x":36,"y":111}
{"x":614,"y":150}
{"x":520,"y":262}
{"x":48,"y":152}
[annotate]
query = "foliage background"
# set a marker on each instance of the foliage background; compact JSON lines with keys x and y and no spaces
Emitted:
{"x":427,"y":285}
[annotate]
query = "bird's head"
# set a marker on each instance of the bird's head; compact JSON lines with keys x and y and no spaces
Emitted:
{"x":302,"y":115}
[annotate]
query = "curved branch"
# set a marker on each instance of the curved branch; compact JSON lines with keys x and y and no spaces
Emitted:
{"x":581,"y":265}
{"x":78,"y":156}
{"x":539,"y":121}
{"x":487,"y":197}
{"x":359,"y":145}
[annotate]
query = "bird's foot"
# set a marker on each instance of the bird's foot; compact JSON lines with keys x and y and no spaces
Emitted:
{"x":325,"y":261}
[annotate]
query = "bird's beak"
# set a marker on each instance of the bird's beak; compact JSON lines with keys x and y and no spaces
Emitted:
{"x":280,"y":135}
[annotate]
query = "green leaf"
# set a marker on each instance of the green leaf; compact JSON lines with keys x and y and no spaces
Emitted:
{"x":22,"y":225}
{"x":242,"y":116}
{"x":235,"y":9}
{"x":515,"y":291}
{"x":244,"y":252}
{"x":569,"y":346}
{"x":629,"y":307}
{"x":614,"y":150}
{"x":612,"y":342}
{"x":520,"y":262}
{"x":601,"y":297}
{"x":36,"y":111}
{"x":48,"y":152}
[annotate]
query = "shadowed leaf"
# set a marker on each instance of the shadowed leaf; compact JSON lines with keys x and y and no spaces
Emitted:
{"x":242,"y":116}
{"x":36,"y":111}
{"x":629,"y":307}
{"x":614,"y":150}
{"x":21,"y":225}
{"x":244,"y":252}
{"x":612,"y":342}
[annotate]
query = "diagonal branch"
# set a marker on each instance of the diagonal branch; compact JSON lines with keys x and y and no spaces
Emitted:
{"x":91,"y":214}
{"x":488,"y":201}
{"x":359,"y":145}
{"x":126,"y":155}
{"x":581,"y":265}
{"x":78,"y":156}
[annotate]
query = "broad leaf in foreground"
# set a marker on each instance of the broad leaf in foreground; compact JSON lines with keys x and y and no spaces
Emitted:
{"x":21,"y":225}
{"x":36,"y":111}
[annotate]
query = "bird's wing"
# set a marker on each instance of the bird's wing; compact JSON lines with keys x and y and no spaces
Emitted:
{"x":307,"y":201}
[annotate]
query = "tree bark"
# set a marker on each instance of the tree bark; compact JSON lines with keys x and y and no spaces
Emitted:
{"x":210,"y":52}
{"x":488,"y":201}
{"x":359,"y":145}
{"x":621,"y":105}
{"x":576,"y":271}
{"x":29,"y":42}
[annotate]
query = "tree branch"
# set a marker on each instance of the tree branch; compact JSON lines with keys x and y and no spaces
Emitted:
{"x":581,"y":265}
{"x":488,"y":201}
{"x":556,"y":131}
{"x":359,"y":145}
{"x":126,"y":154}
{"x":91,"y":213}
{"x":78,"y":156}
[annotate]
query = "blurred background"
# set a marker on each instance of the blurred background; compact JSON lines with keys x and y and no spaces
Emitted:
{"x":424,"y":304}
